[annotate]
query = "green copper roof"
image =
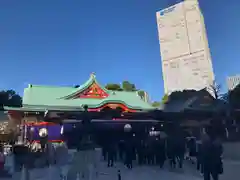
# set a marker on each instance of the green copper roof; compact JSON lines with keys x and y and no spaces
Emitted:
{"x":53,"y":96}
{"x":38,"y":108}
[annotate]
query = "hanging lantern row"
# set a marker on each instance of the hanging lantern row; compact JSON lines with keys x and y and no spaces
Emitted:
{"x":153,"y":132}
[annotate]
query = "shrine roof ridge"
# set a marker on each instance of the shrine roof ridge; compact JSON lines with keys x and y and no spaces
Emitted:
{"x":49,"y":86}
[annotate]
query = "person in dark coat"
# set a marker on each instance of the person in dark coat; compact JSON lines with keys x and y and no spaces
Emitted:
{"x":161,"y":152}
{"x":180,"y":149}
{"x":192,"y":148}
{"x":199,"y":156}
{"x":121,"y":149}
{"x":110,"y":154}
{"x":150,"y":153}
{"x":129,"y":153}
{"x":140,"y":152}
{"x":211,"y":158}
{"x":171,"y":154}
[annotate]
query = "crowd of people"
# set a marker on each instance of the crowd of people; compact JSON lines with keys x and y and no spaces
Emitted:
{"x":158,"y":150}
{"x":173,"y":150}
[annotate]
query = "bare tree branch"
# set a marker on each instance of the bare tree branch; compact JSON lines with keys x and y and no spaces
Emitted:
{"x":215,"y":90}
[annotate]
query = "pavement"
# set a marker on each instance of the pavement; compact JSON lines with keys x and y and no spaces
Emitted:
{"x":189,"y":172}
{"x":231,"y":170}
{"x":144,"y":173}
{"x":140,"y":173}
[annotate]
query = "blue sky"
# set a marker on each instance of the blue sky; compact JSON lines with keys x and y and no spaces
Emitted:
{"x":60,"y":42}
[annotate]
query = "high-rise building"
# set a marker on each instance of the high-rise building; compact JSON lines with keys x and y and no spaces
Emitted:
{"x":186,"y":60}
{"x":233,"y":81}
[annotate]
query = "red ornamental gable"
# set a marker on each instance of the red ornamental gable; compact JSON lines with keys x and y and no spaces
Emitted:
{"x":94,"y":91}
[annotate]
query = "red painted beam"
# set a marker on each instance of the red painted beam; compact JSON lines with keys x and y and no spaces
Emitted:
{"x":40,"y":124}
{"x":113,"y":106}
{"x":54,"y":141}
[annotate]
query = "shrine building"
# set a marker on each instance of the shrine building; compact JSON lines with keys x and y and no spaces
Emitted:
{"x":37,"y":99}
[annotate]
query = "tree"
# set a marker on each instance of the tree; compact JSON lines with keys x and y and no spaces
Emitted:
{"x":164,"y":99}
{"x":218,"y":125}
{"x":225,"y":97}
{"x":10,"y":98}
{"x":156,"y":104}
{"x":234,"y":97}
{"x":215,"y":90}
{"x":181,"y":95}
{"x":127,"y":86}
{"x":232,"y":100}
{"x":141,"y":93}
{"x":113,"y":87}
